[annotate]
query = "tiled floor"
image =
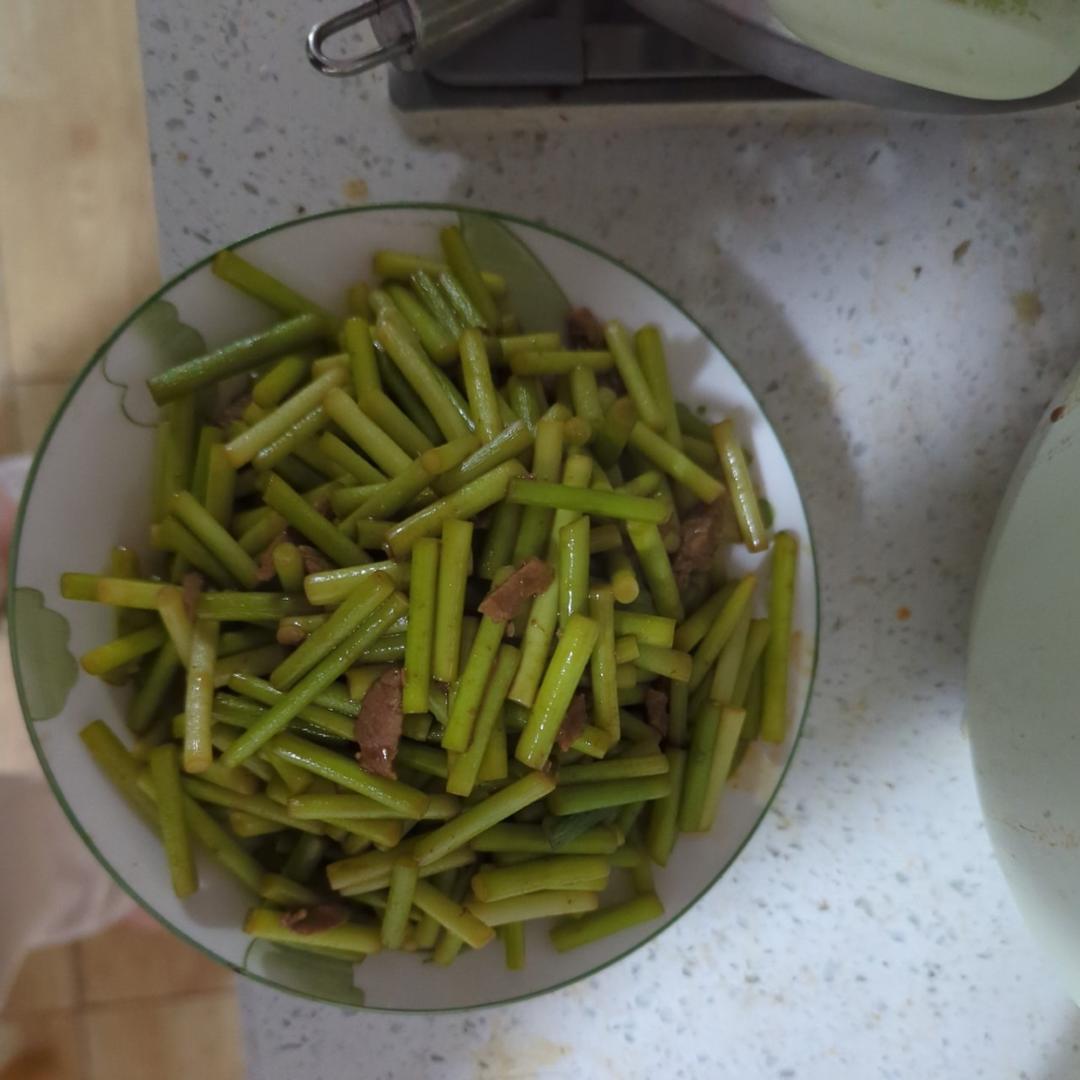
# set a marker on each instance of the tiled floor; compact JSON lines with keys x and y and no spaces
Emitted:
{"x":129,"y":1003}
{"x":78,"y":243}
{"x":77,"y":250}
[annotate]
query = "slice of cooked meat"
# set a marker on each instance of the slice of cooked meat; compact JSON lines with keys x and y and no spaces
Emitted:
{"x":378,"y":727}
{"x":314,"y":920}
{"x":264,"y":567}
{"x":577,"y":717}
{"x":584,"y":330}
{"x":656,"y":710}
{"x":528,"y":581}
{"x":233,"y":410}
{"x":702,"y":531}
{"x":191,"y":589}
{"x":314,"y":561}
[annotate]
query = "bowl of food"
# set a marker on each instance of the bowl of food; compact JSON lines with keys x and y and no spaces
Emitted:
{"x":371,"y":602}
{"x":1023,"y":683}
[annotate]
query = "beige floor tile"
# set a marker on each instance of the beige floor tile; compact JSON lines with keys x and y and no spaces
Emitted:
{"x":181,"y":1039}
{"x":48,"y":981}
{"x":9,"y":429}
{"x":131,"y":964}
{"x":77,"y":237}
{"x":34,"y":407}
{"x":45,"y":1046}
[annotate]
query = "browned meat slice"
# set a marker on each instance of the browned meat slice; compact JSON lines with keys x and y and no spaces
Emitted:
{"x":702,"y":532}
{"x":378,"y":727}
{"x":191,"y":590}
{"x":314,"y":920}
{"x":314,"y":561}
{"x":577,"y":716}
{"x":656,"y":709}
{"x":265,"y":566}
{"x":527,"y":582}
{"x":584,"y":330}
{"x":233,"y":410}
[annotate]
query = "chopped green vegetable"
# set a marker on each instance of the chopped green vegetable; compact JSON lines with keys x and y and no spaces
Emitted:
{"x":389,"y":471}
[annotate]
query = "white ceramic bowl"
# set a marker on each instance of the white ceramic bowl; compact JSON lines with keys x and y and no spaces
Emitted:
{"x":88,"y":490}
{"x":1024,"y":684}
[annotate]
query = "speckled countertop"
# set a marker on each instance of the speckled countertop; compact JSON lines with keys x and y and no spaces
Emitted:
{"x":901,"y":293}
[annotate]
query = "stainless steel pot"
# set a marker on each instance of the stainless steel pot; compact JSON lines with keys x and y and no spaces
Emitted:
{"x":413,"y":33}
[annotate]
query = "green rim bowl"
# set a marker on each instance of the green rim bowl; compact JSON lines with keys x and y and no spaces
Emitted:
{"x":88,"y":490}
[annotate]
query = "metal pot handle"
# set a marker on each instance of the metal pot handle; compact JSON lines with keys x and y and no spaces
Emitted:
{"x":355,"y":65}
{"x":414,"y":32}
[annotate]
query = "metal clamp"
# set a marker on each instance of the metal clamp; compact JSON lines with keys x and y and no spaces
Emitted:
{"x":355,"y":65}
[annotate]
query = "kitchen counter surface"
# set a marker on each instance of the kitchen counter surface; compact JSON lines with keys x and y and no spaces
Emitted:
{"x":900,"y":292}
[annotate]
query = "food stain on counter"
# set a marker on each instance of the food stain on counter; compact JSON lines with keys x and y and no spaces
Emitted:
{"x":1027,"y":307}
{"x":510,"y":1057}
{"x":355,"y":190}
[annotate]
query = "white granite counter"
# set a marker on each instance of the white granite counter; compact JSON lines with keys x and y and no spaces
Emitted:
{"x":901,"y":293}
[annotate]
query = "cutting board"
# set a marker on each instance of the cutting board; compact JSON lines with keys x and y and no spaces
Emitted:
{"x":989,"y":49}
